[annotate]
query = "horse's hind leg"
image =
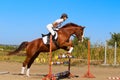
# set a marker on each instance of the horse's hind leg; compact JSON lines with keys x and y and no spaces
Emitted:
{"x":30,"y":63}
{"x":24,"y":65}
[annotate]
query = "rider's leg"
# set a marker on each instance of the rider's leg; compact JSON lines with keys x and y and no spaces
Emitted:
{"x":50,"y":29}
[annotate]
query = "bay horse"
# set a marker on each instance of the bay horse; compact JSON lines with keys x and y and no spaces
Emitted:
{"x":36,"y":46}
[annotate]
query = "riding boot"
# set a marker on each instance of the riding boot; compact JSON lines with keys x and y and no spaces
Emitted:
{"x":48,"y":40}
{"x":53,"y":37}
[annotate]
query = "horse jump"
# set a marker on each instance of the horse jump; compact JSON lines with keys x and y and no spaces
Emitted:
{"x":68,"y":72}
{"x":36,"y":46}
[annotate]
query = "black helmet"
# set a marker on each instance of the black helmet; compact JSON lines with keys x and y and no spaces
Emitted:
{"x":64,"y":15}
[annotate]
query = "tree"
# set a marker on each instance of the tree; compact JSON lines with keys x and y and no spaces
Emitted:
{"x":115,"y":37}
{"x":80,"y":48}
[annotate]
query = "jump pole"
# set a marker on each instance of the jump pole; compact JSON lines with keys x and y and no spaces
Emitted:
{"x":62,"y":74}
{"x":5,"y":72}
{"x":105,"y":56}
{"x":88,"y":74}
{"x":50,"y":76}
{"x":115,"y":55}
{"x":69,"y":68}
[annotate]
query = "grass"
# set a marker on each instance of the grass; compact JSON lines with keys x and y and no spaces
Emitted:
{"x":14,"y":58}
{"x":79,"y":52}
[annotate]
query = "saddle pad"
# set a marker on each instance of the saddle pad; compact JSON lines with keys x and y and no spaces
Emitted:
{"x":45,"y":39}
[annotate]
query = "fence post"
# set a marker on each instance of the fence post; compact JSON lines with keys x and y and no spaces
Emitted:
{"x":105,"y":55}
{"x":115,"y":55}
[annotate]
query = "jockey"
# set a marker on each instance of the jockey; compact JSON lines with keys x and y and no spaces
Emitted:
{"x":54,"y":26}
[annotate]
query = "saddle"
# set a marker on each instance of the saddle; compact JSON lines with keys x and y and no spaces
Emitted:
{"x":46,"y":38}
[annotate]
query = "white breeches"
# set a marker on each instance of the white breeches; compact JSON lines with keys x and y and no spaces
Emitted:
{"x":50,"y":29}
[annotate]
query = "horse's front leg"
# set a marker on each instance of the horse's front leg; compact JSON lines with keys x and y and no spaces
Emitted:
{"x":68,"y":44}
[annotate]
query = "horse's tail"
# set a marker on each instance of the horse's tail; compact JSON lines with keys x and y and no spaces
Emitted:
{"x":21,"y":47}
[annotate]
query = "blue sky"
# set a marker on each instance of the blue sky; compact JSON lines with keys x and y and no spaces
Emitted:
{"x":25,"y":20}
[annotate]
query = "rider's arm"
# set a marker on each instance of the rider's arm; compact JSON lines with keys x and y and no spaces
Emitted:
{"x":57,"y":22}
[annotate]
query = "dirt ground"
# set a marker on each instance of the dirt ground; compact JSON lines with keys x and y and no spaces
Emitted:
{"x":37,"y":71}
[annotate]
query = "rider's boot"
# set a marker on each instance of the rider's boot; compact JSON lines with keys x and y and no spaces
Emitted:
{"x":53,"y":37}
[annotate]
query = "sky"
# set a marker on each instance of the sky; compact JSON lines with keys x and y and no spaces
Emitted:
{"x":26,"y":20}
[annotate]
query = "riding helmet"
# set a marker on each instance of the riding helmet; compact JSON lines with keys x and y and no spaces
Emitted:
{"x":64,"y":15}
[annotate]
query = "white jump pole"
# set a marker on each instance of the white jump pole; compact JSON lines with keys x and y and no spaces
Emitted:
{"x":115,"y":55}
{"x":105,"y":58}
{"x":5,"y":72}
{"x":105,"y":55}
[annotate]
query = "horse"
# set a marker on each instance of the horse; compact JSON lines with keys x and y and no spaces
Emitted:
{"x":36,"y":46}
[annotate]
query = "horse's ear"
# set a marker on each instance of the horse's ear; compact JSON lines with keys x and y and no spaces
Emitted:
{"x":83,"y":27}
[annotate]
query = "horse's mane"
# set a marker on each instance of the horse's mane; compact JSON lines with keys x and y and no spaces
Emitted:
{"x":69,"y":24}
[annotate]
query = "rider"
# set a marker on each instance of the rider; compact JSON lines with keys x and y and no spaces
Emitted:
{"x":54,"y":26}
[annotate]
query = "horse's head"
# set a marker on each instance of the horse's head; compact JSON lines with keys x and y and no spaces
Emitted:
{"x":74,"y":29}
{"x":79,"y":32}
